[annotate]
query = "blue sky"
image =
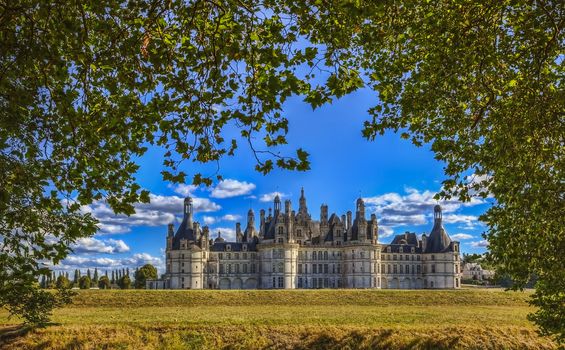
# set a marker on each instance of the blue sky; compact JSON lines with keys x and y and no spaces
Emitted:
{"x":396,"y":179}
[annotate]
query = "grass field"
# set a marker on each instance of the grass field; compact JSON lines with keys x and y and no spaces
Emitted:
{"x":320,"y":319}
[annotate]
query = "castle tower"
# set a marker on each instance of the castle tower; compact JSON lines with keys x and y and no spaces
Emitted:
{"x":188,"y":211}
{"x":250,"y":229}
{"x":170,"y":235}
{"x":238,"y":233}
{"x":277,"y":205}
{"x":302,"y":208}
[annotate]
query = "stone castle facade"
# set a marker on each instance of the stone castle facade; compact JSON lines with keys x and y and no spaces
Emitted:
{"x":291,"y":250}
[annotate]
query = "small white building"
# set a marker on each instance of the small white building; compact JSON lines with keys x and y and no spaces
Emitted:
{"x":474,"y":271}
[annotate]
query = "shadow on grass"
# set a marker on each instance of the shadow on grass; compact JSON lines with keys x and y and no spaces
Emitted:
{"x":10,"y":334}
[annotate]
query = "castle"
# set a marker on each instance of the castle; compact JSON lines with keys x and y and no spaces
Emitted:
{"x":291,"y":250}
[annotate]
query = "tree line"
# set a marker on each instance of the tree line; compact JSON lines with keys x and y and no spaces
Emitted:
{"x":115,"y":279}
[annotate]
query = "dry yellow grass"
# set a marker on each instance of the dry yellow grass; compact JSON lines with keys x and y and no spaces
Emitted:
{"x":323,"y":319}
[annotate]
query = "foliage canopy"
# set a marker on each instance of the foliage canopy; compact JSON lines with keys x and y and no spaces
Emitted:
{"x":85,"y":88}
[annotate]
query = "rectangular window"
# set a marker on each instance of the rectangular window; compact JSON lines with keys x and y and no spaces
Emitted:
{"x":418,"y":269}
{"x":244,"y":268}
{"x":433,"y":268}
{"x":395,"y":269}
{"x":338,"y":268}
{"x":320,"y":268}
{"x":299,"y":268}
{"x":274,"y":282}
{"x":281,"y":282}
{"x":236,"y":268}
{"x":401,"y":269}
{"x":236,"y":256}
{"x":314,"y":268}
{"x":325,"y":268}
{"x":245,"y":255}
{"x":394,"y":257}
{"x":299,"y":282}
{"x":221,"y":268}
{"x":306,"y":268}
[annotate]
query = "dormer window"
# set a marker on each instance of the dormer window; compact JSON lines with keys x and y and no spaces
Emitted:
{"x":388,"y":249}
{"x":413,"y":250}
{"x":244,"y":247}
{"x":228,"y":247}
{"x":401,"y":250}
{"x":281,"y":230}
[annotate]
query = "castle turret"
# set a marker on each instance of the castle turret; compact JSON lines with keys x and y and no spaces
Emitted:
{"x":277,"y":205}
{"x":188,"y":212}
{"x":302,"y":208}
{"x":250,"y":229}
{"x":323,"y":214}
{"x":238,"y":233}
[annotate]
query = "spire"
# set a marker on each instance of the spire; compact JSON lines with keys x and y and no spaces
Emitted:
{"x":438,"y":240}
{"x":277,"y":205}
{"x":188,"y":211}
{"x":171,"y":230}
{"x":303,"y":209}
{"x":437,"y":215}
{"x":360,"y":208}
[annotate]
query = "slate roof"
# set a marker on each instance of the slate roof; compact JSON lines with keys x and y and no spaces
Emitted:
{"x":185,"y":231}
{"x":235,"y":246}
{"x":438,"y":241}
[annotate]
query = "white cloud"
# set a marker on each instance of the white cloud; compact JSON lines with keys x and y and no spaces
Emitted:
{"x":184,"y":190}
{"x":385,"y":231}
{"x":231,"y":188}
{"x":209,"y":220}
{"x":469,"y":221}
{"x":269,"y":197}
{"x":227,"y":233}
{"x":93,"y":245}
{"x":231,"y":217}
{"x":73,"y":262}
{"x":461,"y":236}
{"x":161,"y":211}
{"x":415,"y":207}
{"x":479,"y":244}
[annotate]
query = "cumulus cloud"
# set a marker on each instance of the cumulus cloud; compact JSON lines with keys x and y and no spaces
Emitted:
{"x":161,"y":211}
{"x":184,"y":190}
{"x":93,"y":245}
{"x":269,"y":197}
{"x":73,"y":262}
{"x":231,"y":188}
{"x":479,"y":244}
{"x":227,"y":233}
{"x":415,"y":207}
{"x":385,"y":231}
{"x":461,"y":236}
{"x":209,"y":220}
{"x":468,"y":221}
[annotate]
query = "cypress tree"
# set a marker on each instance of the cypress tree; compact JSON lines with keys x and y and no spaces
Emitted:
{"x":127,"y":272}
{"x":95,"y":278}
{"x":113,"y":280}
{"x":43,"y":281}
{"x":88,"y":274}
{"x":77,"y":276}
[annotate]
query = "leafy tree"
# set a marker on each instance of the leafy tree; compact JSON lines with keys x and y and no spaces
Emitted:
{"x":104,"y":282}
{"x":146,"y":272}
{"x":76,"y":278}
{"x":125,"y":282}
{"x":63,"y":282}
{"x":84,"y":282}
{"x":480,"y":82}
